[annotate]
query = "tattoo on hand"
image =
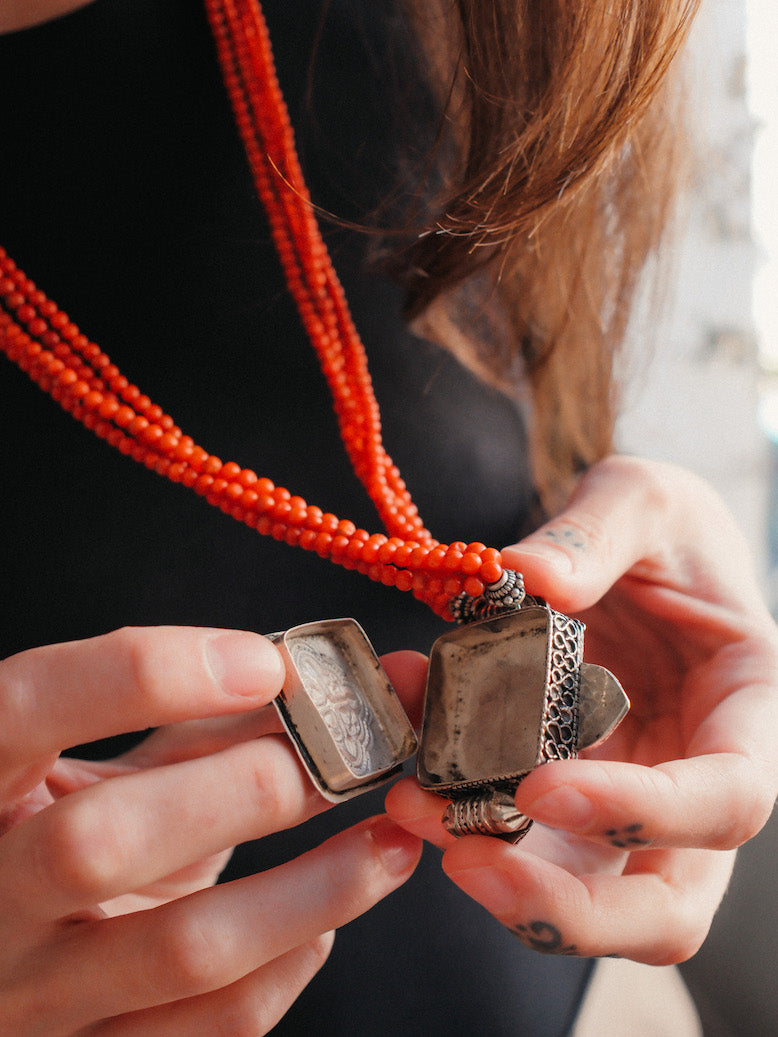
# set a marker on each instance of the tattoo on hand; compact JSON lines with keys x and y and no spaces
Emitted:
{"x":626,"y":838}
{"x":543,"y":937}
{"x":568,"y":535}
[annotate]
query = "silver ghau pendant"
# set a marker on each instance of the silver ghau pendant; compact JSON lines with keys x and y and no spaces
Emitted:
{"x":507,"y":690}
{"x":506,"y":693}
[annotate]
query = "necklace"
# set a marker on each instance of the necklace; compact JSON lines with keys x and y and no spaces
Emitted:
{"x":34,"y":333}
{"x":482,"y":730}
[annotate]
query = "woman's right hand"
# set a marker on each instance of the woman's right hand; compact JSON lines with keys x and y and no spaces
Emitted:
{"x":109,"y":920}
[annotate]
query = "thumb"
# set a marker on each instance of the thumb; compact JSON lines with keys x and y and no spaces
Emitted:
{"x":654,"y":521}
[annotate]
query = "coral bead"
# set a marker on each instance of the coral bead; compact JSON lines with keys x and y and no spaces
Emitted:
{"x":404,"y":580}
{"x":473,"y":586}
{"x":230,"y":471}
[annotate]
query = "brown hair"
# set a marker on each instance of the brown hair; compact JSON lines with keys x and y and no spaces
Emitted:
{"x":568,"y":141}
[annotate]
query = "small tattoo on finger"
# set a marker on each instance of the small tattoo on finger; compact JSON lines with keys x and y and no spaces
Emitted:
{"x":626,"y":838}
{"x":567,"y":535}
{"x":543,"y":937}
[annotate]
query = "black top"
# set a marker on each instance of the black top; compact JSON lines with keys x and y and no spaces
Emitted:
{"x":124,"y":193}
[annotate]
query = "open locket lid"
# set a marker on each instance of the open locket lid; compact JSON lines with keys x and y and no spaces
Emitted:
{"x":339,"y":709}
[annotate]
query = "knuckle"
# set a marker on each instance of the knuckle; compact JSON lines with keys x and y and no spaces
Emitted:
{"x":77,"y":853}
{"x":253,"y":1014}
{"x":684,"y":943}
{"x":188,"y":957}
{"x":280,"y":791}
{"x":144,"y":673}
{"x":688,"y":921}
{"x":627,"y":468}
{"x":748,"y":819}
{"x":319,"y":950}
{"x":145,"y":658}
{"x":743,"y":798}
{"x":682,"y":936}
{"x":654,"y":482}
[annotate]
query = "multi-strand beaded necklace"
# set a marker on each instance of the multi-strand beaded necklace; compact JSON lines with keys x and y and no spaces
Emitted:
{"x":456,"y":580}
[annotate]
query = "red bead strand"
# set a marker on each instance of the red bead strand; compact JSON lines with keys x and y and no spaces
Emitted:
{"x":43,"y":341}
{"x":249,"y":73}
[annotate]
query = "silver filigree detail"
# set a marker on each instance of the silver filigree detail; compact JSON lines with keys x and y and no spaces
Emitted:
{"x":505,"y":595}
{"x":560,"y":718}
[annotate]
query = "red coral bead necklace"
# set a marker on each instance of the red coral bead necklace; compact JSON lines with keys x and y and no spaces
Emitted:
{"x":50,"y":348}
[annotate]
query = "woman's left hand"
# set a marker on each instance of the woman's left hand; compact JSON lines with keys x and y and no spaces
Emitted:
{"x":636,"y":841}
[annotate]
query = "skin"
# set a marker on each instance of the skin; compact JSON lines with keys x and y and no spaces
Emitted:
{"x":107,"y":869}
{"x":22,"y":14}
{"x":636,"y":842}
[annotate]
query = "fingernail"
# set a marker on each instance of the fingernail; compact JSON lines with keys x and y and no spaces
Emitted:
{"x":245,"y":664}
{"x":398,"y":850}
{"x":490,"y":887}
{"x":562,"y":807}
{"x":554,"y":557}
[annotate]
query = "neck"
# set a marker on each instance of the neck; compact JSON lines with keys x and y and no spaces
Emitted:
{"x":22,"y":14}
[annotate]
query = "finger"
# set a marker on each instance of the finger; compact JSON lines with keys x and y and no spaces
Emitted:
{"x":407,"y":673}
{"x":717,"y":801}
{"x":214,"y":938}
{"x":192,"y":738}
{"x":252,"y":1005}
{"x":126,"y":833}
{"x":67,"y":694}
{"x":630,"y":515}
{"x":659,"y":915}
{"x":421,"y":813}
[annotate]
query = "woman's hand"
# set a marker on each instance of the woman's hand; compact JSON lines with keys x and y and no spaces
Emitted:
{"x":108,"y":922}
{"x":636,"y":843}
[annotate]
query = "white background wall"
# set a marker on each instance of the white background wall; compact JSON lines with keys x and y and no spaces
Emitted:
{"x":696,"y":403}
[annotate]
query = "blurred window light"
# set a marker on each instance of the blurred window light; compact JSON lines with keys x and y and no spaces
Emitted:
{"x":762,"y":44}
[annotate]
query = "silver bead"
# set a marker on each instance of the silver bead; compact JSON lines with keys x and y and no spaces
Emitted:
{"x":505,"y":595}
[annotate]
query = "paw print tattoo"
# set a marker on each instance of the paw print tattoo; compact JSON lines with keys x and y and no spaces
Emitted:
{"x":626,"y":838}
{"x":543,"y":937}
{"x":568,"y":535}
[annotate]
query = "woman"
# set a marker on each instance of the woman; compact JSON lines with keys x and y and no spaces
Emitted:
{"x":128,"y":199}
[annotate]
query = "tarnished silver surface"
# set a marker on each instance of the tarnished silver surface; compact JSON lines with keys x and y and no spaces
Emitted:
{"x":603,"y":706}
{"x":340,"y":710}
{"x":504,"y":695}
{"x":490,"y":813}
